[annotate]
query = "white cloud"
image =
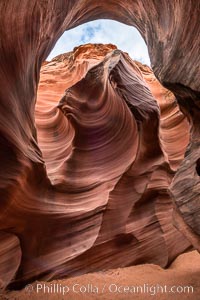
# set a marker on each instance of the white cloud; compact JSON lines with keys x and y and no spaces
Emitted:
{"x":126,"y":38}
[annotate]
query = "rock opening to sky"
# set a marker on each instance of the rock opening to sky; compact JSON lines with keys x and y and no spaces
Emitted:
{"x":126,"y":38}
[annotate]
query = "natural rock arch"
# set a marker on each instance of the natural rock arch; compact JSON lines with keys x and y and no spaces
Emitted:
{"x":29,"y":30}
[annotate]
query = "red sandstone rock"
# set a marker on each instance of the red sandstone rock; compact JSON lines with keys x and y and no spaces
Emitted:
{"x":104,"y":202}
{"x":174,"y":127}
{"x":39,"y":205}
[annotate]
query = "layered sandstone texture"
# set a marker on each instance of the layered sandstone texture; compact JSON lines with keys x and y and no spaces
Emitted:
{"x":178,"y":282}
{"x":111,"y":138}
{"x":84,"y":174}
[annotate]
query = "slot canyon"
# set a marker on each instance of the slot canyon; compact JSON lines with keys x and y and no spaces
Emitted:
{"x":100,"y":154}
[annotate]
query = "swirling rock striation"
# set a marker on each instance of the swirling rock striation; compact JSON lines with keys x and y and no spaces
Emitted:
{"x":100,"y":197}
{"x":61,"y":192}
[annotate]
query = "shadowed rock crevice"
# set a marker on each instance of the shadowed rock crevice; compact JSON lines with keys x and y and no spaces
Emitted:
{"x":63,"y":204}
{"x":198,"y":166}
{"x":108,"y":194}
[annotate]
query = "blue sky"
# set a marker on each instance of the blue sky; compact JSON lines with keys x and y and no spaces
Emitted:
{"x":126,"y":38}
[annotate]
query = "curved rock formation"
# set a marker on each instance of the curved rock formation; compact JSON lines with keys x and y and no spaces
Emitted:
{"x":60,"y":220}
{"x":103,"y":193}
{"x":10,"y":258}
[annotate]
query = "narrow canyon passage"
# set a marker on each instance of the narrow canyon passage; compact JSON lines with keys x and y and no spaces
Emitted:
{"x":86,"y":173}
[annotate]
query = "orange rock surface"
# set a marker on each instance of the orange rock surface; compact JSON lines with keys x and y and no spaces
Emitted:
{"x":85,"y":175}
{"x":107,"y":131}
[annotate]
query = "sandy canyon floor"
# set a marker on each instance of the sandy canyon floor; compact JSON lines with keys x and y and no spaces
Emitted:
{"x":179,"y":281}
